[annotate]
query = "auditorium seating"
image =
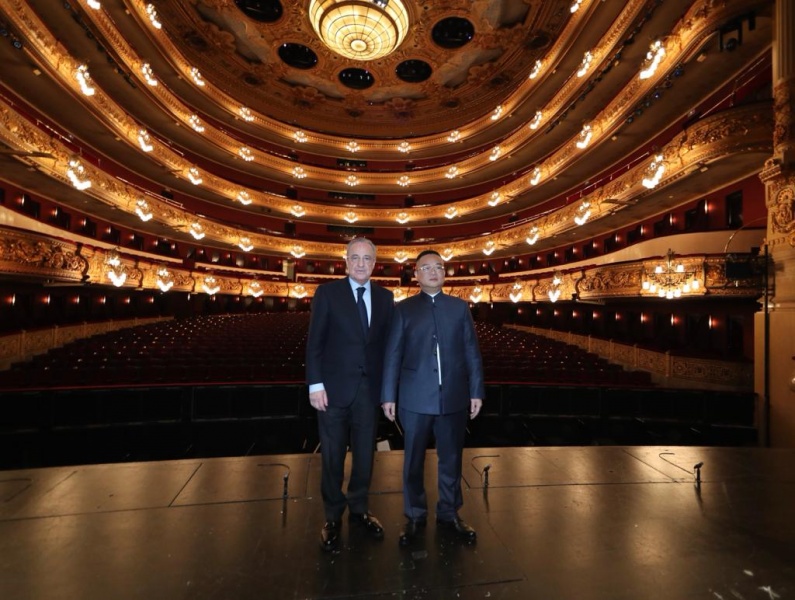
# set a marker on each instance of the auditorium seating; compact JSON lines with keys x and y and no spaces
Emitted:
{"x":270,"y":347}
{"x":226,"y":385}
{"x":511,"y":355}
{"x":210,"y":349}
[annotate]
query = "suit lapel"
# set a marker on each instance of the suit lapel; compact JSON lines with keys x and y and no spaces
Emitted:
{"x":375,"y":308}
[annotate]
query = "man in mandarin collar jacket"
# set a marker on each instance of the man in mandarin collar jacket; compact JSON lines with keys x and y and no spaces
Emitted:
{"x":434,"y":374}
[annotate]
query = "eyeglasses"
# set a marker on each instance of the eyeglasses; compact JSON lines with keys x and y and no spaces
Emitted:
{"x":429,"y":268}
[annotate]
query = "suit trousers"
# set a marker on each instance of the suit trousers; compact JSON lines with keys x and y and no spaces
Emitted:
{"x":339,"y":427}
{"x":449,"y":431}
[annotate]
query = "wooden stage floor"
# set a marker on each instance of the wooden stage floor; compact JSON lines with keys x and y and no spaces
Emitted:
{"x":554,"y":523}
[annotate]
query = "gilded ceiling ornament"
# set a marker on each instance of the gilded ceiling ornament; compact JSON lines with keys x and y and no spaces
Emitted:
{"x":401,"y":107}
{"x":308,"y":97}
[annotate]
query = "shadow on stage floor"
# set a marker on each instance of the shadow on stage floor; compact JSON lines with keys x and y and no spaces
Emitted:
{"x":586,"y":523}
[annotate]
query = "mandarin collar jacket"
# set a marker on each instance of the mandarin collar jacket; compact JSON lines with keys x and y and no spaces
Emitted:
{"x":421,"y":326}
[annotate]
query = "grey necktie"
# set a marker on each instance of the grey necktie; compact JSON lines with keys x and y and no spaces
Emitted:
{"x":362,"y":309}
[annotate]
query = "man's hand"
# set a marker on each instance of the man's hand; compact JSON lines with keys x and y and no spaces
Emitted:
{"x":318,"y":400}
{"x":475,"y":404}
{"x":389,"y":410}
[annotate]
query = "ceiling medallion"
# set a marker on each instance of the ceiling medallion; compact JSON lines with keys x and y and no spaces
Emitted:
{"x":360,"y":29}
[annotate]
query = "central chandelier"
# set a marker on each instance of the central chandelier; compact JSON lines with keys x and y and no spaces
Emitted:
{"x":360,"y":29}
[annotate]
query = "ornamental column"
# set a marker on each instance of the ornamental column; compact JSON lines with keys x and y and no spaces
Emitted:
{"x":774,"y":354}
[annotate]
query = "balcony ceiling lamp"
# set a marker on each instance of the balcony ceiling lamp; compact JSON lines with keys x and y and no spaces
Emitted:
{"x":298,"y":291}
{"x":210,"y":286}
{"x":255,"y":289}
{"x":536,"y":70}
{"x":77,"y":174}
{"x":149,"y":75}
{"x":360,"y":29}
{"x":245,"y":244}
{"x":153,"y":18}
{"x":654,"y":172}
{"x":84,"y":79}
{"x":194,"y":175}
{"x":196,"y":230}
{"x":145,"y":140}
{"x":554,"y":290}
{"x":116,"y":270}
{"x":246,"y":114}
{"x":142,"y":210}
{"x":536,"y":120}
{"x":583,"y":213}
{"x":516,"y":292}
{"x":164,"y":280}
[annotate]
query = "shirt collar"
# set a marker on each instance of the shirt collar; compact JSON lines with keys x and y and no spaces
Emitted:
{"x":356,"y":285}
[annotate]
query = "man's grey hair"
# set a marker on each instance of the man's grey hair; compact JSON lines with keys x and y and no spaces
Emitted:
{"x":358,"y":240}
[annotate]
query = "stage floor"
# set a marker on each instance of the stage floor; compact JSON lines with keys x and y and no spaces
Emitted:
{"x":554,"y":523}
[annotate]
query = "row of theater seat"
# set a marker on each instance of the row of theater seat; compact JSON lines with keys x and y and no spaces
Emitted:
{"x":270,"y":347}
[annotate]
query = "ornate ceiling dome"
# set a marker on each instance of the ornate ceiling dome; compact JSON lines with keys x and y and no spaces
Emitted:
{"x":493,"y":122}
{"x":360,"y":29}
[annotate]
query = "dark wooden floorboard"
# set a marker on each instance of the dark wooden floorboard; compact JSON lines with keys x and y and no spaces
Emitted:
{"x":602,"y":523}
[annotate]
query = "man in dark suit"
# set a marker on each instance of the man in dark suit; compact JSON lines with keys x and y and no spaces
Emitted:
{"x":434,"y":373}
{"x":344,"y":361}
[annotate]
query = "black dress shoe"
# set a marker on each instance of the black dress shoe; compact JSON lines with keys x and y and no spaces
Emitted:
{"x":461,"y":529}
{"x":369,"y":522}
{"x":410,"y":531}
{"x":330,"y":536}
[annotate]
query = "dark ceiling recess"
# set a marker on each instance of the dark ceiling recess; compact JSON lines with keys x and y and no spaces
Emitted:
{"x":414,"y":71}
{"x":356,"y":79}
{"x":298,"y":56}
{"x":453,"y":32}
{"x":264,"y":11}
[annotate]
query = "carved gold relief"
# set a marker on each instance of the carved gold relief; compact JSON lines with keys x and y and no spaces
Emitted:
{"x":610,"y":281}
{"x":25,"y":254}
{"x":782,"y":213}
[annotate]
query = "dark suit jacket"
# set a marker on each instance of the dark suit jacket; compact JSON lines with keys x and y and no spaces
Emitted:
{"x":337,"y":353}
{"x":411,"y":375}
